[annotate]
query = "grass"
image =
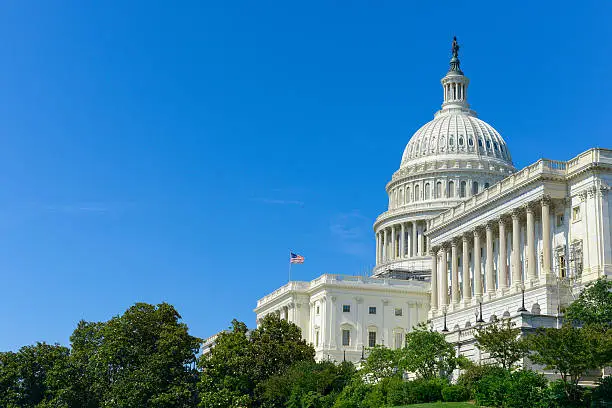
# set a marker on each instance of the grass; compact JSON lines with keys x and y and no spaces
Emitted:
{"x":440,"y":405}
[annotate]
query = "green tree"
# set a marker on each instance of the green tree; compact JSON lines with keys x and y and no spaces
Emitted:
{"x":427,"y":353}
{"x":501,"y":340}
{"x":594,"y":305}
{"x":242,"y":360}
{"x":305,"y":384}
{"x":571,"y":351}
{"x":27,"y":377}
{"x":382,"y":362}
{"x":145,"y":357}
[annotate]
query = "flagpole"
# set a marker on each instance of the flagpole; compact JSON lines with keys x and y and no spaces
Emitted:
{"x":289,"y":266}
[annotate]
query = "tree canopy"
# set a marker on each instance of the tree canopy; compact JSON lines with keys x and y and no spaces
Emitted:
{"x":594,"y":305}
{"x":503,"y":343}
{"x":427,"y":353}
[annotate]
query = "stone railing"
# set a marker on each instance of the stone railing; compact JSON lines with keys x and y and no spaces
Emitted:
{"x":329,"y":279}
{"x":529,"y":173}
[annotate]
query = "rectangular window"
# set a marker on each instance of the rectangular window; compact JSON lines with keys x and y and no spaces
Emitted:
{"x":398,"y":311}
{"x":562,"y":269}
{"x":318,"y":309}
{"x":372,"y":309}
{"x":372,"y":339}
{"x":346,"y":337}
{"x":317,"y":339}
{"x":576,"y":213}
{"x":398,"y":340}
{"x":346,"y":308}
{"x":559,"y":220}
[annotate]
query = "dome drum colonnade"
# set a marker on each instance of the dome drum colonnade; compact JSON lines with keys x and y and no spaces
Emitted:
{"x":448,"y":160}
{"x":504,"y":269}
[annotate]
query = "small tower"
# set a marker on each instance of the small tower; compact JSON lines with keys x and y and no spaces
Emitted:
{"x":455,"y":84}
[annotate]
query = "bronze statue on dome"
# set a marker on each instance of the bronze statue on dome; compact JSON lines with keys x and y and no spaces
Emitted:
{"x":455,"y":47}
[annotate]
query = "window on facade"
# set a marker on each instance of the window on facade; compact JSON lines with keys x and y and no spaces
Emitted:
{"x":317,"y":338}
{"x":486,"y":185}
{"x":471,"y":141}
{"x":451,"y":189}
{"x":407,"y":194}
{"x":462,"y":189}
{"x":488,"y":145}
{"x":562,"y":268}
{"x":399,"y":343}
{"x":372,"y":310}
{"x":416,"y":193}
{"x":474,"y":188}
{"x":346,"y":308}
{"x":427,"y":191}
{"x":559,"y":220}
{"x":439,"y":189}
{"x":480,"y":142}
{"x":398,"y":311}
{"x":372,"y":339}
{"x":461,"y":141}
{"x":346,"y":337}
{"x":576,"y":213}
{"x":318,"y":309}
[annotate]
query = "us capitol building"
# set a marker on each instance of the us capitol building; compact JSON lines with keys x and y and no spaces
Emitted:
{"x":466,"y":240}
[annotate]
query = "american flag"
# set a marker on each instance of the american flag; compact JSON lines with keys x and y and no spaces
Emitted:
{"x":295,"y":258}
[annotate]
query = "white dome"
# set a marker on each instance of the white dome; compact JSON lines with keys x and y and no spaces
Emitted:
{"x":455,"y":133}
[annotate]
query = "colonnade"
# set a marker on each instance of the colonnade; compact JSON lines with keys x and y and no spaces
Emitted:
{"x":504,"y":271}
{"x":454,"y":91}
{"x":402,"y":240}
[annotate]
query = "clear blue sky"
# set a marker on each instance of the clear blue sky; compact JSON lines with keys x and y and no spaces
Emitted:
{"x":154,"y":153}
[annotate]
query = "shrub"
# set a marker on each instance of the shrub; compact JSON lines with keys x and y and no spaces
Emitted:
{"x":602,"y":395}
{"x":419,"y":391}
{"x":455,"y":393}
{"x":512,"y":390}
{"x":396,"y":391}
{"x":473,"y":373}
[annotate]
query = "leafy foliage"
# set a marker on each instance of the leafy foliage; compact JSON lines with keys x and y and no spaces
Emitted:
{"x":594,"y":305}
{"x":427,"y":353}
{"x":241,"y":360}
{"x":571,"y":351}
{"x":29,"y":377}
{"x":501,"y":340}
{"x":511,"y":390}
{"x":602,"y":395}
{"x":455,"y":393}
{"x":382,"y":362}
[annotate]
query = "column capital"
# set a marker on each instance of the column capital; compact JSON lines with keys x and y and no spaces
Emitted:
{"x":465,"y":237}
{"x":503,"y":220}
{"x":445,"y":245}
{"x":516,"y":213}
{"x":490,"y":225}
{"x":546,"y":200}
{"x":433,"y":251}
{"x":529,"y":207}
{"x":455,"y":242}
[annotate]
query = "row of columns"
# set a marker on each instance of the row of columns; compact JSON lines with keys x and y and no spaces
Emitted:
{"x":392,"y":241}
{"x":454,"y":91}
{"x":439,"y":276}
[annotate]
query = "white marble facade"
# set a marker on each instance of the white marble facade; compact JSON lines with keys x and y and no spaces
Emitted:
{"x":341,"y":316}
{"x":496,"y":239}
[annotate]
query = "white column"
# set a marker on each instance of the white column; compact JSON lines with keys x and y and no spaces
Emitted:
{"x":414,"y":239}
{"x":403,"y":241}
{"x":517,"y":276}
{"x":465,"y":260}
{"x":454,"y":273}
{"x":332,"y":327}
{"x":489,"y":266}
{"x":421,"y":242}
{"x":502,"y":267}
{"x":444,"y":277}
{"x":393,"y":242}
{"x":377,"y":248}
{"x":546,"y":236}
{"x":531,"y":255}
{"x":477,"y":268}
{"x":434,"y":279}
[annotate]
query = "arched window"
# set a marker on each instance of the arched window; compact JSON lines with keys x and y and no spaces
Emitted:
{"x":462,"y":189}
{"x":401,"y":196}
{"x":486,"y":185}
{"x":439,"y":189}
{"x":427,"y":191}
{"x":416,"y":193}
{"x":461,"y":141}
{"x":407,"y":194}
{"x":451,"y":189}
{"x":474,"y":188}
